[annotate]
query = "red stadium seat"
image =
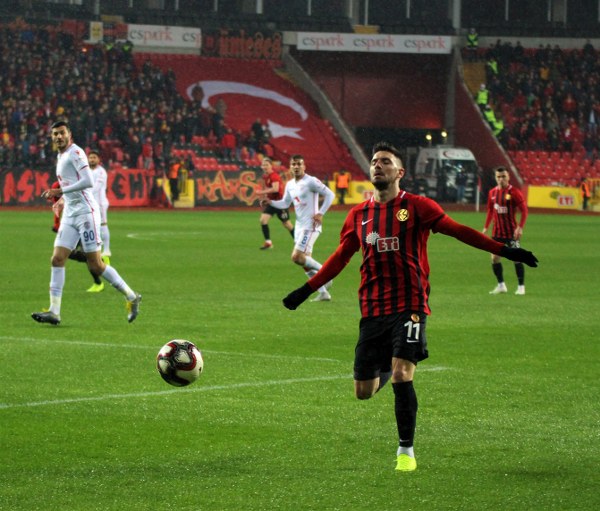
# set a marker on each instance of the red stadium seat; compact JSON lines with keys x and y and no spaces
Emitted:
{"x":555,"y":156}
{"x":543,"y":156}
{"x":532,"y":155}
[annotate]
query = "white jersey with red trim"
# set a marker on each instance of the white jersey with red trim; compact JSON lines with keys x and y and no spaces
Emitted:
{"x":304,"y":195}
{"x":76,"y":181}
{"x":100,"y":184}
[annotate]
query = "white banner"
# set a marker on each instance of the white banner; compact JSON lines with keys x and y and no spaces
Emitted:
{"x":96,"y":31}
{"x":375,"y":43}
{"x":164,"y":37}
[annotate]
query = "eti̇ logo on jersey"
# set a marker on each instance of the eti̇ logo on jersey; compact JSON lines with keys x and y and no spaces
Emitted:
{"x":402,"y":215}
{"x":383,"y":244}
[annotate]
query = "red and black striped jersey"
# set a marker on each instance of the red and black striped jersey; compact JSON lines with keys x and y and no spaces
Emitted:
{"x":393,"y":238}
{"x":502,"y":205}
{"x":271,"y":178}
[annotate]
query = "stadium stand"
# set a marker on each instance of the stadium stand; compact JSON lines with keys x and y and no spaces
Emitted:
{"x":548,"y":100}
{"x":137,"y":110}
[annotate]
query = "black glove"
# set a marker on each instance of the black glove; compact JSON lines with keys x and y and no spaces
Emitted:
{"x":519,"y":255}
{"x":297,"y":297}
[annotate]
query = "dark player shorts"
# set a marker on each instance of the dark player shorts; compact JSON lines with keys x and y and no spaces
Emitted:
{"x":399,"y":335}
{"x":282,"y":214}
{"x":507,"y":242}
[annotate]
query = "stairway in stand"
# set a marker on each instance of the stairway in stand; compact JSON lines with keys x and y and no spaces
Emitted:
{"x":474,"y":73}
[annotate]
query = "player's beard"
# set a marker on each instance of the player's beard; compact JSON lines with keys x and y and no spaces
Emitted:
{"x":381,"y":185}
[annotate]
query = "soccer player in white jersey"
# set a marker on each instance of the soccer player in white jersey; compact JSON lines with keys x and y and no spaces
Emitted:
{"x":303,"y":192}
{"x":80,"y":221}
{"x":99,"y":192}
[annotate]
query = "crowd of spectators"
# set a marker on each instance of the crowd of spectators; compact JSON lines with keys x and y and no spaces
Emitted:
{"x":132,"y":113}
{"x":543,"y":99}
{"x":547,"y":98}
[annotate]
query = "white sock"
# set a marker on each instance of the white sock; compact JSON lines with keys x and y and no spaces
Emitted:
{"x":406,"y":450}
{"x":311,"y":264}
{"x":311,"y":273}
{"x":105,"y":238}
{"x":57,"y":283}
{"x":112,"y":276}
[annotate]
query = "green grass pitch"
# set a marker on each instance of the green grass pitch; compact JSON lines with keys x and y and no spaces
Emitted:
{"x":509,"y":399}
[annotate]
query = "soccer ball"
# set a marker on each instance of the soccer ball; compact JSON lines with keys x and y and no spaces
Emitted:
{"x":179,"y":362}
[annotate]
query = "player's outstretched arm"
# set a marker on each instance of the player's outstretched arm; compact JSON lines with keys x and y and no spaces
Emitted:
{"x":332,"y":267}
{"x":519,"y":255}
{"x":297,"y":297}
{"x":476,"y":239}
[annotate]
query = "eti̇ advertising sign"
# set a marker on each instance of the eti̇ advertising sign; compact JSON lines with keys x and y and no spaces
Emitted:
{"x":374,"y":43}
{"x":554,"y":197}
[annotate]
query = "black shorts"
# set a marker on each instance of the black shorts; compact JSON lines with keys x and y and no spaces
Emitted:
{"x":507,"y":242}
{"x":282,"y":214}
{"x":399,"y":335}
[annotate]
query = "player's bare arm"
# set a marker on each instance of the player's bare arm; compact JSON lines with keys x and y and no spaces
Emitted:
{"x":58,"y":206}
{"x":518,"y":232}
{"x":51,"y":193}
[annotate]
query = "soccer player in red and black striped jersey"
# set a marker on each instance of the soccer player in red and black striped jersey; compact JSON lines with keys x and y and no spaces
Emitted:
{"x":273,"y":191}
{"x":391,"y":230}
{"x":503,"y":202}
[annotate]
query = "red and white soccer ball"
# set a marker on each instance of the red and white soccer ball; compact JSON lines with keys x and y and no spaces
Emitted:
{"x":179,"y":362}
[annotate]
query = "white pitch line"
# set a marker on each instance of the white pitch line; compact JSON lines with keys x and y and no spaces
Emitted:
{"x":138,"y":346}
{"x":196,"y":388}
{"x":161,"y":235}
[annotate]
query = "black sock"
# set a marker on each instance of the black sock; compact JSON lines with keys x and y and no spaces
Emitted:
{"x":266,"y":232}
{"x":292,"y":233}
{"x":405,"y":406}
{"x":520,"y":269}
{"x":383,"y":379}
{"x":97,"y":279}
{"x":78,"y":255}
{"x":497,"y":269}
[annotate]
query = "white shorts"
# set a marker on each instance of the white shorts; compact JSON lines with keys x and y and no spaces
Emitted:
{"x":81,"y":227}
{"x":304,"y":240}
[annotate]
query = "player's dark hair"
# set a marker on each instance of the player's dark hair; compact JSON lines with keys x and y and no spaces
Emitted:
{"x":296,"y":157}
{"x":59,"y":124}
{"x":500,"y":168}
{"x":94,"y":151}
{"x":388,"y":147}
